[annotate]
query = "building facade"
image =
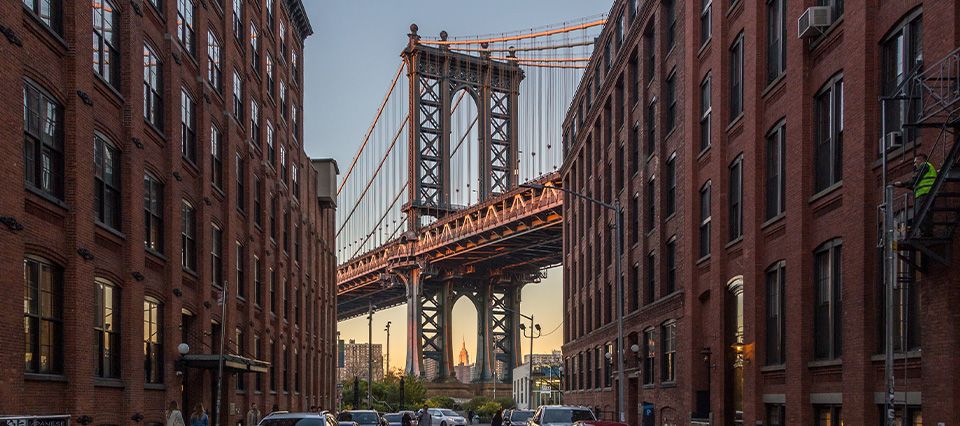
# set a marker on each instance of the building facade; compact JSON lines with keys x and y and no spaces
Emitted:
{"x":740,"y":153}
{"x":160,"y":207}
{"x":355,"y":356}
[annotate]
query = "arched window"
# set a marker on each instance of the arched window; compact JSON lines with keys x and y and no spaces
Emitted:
{"x":107,"y":328}
{"x":43,"y":316}
{"x":734,"y":345}
{"x":828,"y":301}
{"x":152,"y":340}
{"x":776,"y":277}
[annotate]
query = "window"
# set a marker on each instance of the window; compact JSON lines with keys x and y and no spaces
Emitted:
{"x":241,"y":351}
{"x":650,"y":47}
{"x":836,"y":7}
{"x":828,"y":134}
{"x":216,"y":257}
{"x":257,"y":354}
{"x":670,"y":203}
{"x":283,"y":40}
{"x":706,"y":110}
{"x":286,"y":365}
{"x":257,"y":203}
{"x":188,"y":236}
{"x":107,"y":329}
{"x":106,"y":182}
{"x":185,"y":25}
{"x":736,"y":198}
{"x":828,"y":336}
{"x":237,"y":96}
{"x":706,"y":21}
{"x":668,"y":372}
{"x":152,"y":89}
{"x":776,"y":174}
{"x":273,"y":366}
{"x":914,"y":415}
{"x":828,"y":415}
{"x":776,"y":283}
{"x":254,"y":48}
{"x":295,"y":179}
{"x":651,"y":123}
{"x":651,"y":204}
{"x":106,"y":56}
{"x":294,"y":64}
{"x":670,"y":253}
{"x":188,"y":123}
{"x":283,"y":163}
{"x":776,"y":39}
{"x":271,"y":147}
{"x":901,"y":54}
{"x":649,"y":355}
{"x":671,"y":102}
{"x":705,"y":218}
{"x":241,"y":263}
{"x":50,"y":12}
{"x":257,"y":282}
{"x":273,"y":216}
{"x":271,"y":89}
{"x":241,"y":173}
{"x":238,"y":20}
{"x":670,"y":12}
{"x":776,"y":414}
{"x":269,"y":9}
{"x":634,"y":143}
{"x":216,"y":156}
{"x":255,"y":122}
{"x":214,"y":62}
{"x":294,"y":121}
{"x":153,"y":213}
{"x":42,"y":141}
{"x":736,"y":78}
{"x":43,"y":316}
{"x":283,"y":99}
{"x":286,"y":230}
{"x":152,"y":340}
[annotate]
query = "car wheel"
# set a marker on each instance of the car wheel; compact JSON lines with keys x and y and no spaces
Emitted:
{"x":443,"y":424}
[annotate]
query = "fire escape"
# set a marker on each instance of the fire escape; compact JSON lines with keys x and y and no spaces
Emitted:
{"x":934,"y":101}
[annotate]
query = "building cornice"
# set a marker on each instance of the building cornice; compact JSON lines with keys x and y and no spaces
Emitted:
{"x":299,"y":17}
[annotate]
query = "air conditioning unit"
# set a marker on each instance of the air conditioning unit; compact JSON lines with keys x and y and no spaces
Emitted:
{"x":327,"y":172}
{"x":814,"y":21}
{"x":891,"y":141}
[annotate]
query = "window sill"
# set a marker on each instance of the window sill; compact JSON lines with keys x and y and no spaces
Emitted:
{"x":769,"y":222}
{"x":668,"y":385}
{"x":703,"y":153}
{"x":825,"y":363}
{"x":671,"y":132}
{"x":734,"y":122}
{"x":912,"y":354}
{"x":155,"y":386}
{"x":734,"y":242}
{"x":826,"y":34}
{"x":48,"y":30}
{"x":704,"y":46}
{"x":734,"y":7}
{"x":108,"y":382}
{"x":218,"y":192}
{"x":773,"y":368}
{"x":118,"y":98}
{"x":159,"y":133}
{"x":109,"y":229}
{"x":703,"y":260}
{"x":50,"y":198}
{"x":649,"y":386}
{"x":825,"y":192}
{"x":155,"y":254}
{"x":41,"y":377}
{"x":774,"y":84}
{"x":191,"y":273}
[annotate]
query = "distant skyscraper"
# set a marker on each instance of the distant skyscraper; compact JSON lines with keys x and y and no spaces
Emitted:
{"x":355,"y":357}
{"x":464,"y":369}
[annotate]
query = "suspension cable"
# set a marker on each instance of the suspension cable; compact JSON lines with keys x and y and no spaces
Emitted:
{"x":518,"y":59}
{"x":523,"y":49}
{"x":516,"y":37}
{"x":366,"y":138}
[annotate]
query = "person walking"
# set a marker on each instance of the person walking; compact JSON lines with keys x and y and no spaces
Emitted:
{"x":253,"y":415}
{"x":497,"y":418}
{"x":174,"y":416}
{"x":423,"y":417}
{"x":406,"y":419}
{"x":470,"y":417}
{"x":924,"y":175}
{"x":199,"y":416}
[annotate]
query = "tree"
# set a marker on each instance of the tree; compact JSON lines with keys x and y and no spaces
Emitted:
{"x":440,"y":402}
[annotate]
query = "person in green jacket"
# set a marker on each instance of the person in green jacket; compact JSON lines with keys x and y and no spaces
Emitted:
{"x":924,"y":175}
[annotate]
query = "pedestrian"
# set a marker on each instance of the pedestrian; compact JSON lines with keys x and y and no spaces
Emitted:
{"x":497,"y":418}
{"x":253,"y":415}
{"x":423,"y":417}
{"x":174,"y":416}
{"x":924,"y":175}
{"x":406,"y":419}
{"x":275,"y":408}
{"x":199,"y":416}
{"x":470,"y":416}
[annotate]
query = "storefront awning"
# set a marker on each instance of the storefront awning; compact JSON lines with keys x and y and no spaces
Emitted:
{"x":231,"y":363}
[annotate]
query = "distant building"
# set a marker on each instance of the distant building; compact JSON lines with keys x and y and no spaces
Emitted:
{"x":545,"y":382}
{"x":554,"y":358}
{"x":355,"y":356}
{"x":464,"y":369}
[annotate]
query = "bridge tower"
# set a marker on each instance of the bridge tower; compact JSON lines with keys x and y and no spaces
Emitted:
{"x":435,"y":74}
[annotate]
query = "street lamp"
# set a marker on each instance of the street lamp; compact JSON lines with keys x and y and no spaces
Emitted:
{"x":618,"y":272}
{"x":387,"y":329}
{"x":534,"y":333}
{"x":370,"y":356}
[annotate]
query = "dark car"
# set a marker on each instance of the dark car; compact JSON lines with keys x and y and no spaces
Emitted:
{"x":516,"y":417}
{"x":322,"y":418}
{"x":560,"y":415}
{"x":599,"y":423}
{"x":362,"y":417}
{"x":396,"y":419}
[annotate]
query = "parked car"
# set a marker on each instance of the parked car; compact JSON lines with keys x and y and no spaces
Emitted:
{"x":560,"y":415}
{"x":348,"y":423}
{"x":516,"y":417}
{"x":396,"y":419}
{"x":362,"y":417}
{"x":283,"y":418}
{"x":446,"y":417}
{"x":599,"y":423}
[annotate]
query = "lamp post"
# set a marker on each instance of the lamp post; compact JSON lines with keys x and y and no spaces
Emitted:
{"x":370,"y":356}
{"x":618,"y":272}
{"x":534,"y":333}
{"x":387,"y":369}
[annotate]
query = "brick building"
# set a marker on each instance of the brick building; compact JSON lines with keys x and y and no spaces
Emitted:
{"x":740,"y":153}
{"x":355,"y":356}
{"x":162,"y":165}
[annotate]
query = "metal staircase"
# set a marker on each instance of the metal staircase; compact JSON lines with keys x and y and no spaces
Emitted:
{"x":935,"y":96}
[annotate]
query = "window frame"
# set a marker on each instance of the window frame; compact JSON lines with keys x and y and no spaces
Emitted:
{"x":237,"y":96}
{"x":53,"y":20}
{"x":188,"y":236}
{"x":706,"y":112}
{"x":108,"y":69}
{"x":153,"y":212}
{"x":37,"y":317}
{"x":735,"y":198}
{"x":668,"y":351}
{"x":153,"y":340}
{"x":736,"y":77}
{"x":216,"y":156}
{"x":706,"y":21}
{"x":829,"y":346}
{"x":214,"y":61}
{"x":152,"y":87}
{"x":188,"y":127}
{"x":706,"y":219}
{"x":107,"y":334}
{"x":775,"y":178}
{"x":216,"y":256}
{"x":649,"y":351}
{"x":776,"y":39}
{"x":828,"y":148}
{"x":186,"y":33}
{"x":774,"y":309}
{"x":104,"y":186}
{"x":41,"y":146}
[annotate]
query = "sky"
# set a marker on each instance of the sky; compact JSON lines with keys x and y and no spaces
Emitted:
{"x":349,"y":63}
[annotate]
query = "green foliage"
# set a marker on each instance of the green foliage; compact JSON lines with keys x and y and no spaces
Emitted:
{"x":386,"y":393}
{"x":488,"y":409}
{"x":440,"y":402}
{"x":506,"y":402}
{"x":475,"y":403}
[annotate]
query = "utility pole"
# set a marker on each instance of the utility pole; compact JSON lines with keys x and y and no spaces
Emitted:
{"x":889,"y":271}
{"x":386,"y":370}
{"x":534,"y":333}
{"x":223,"y":333}
{"x":370,"y":357}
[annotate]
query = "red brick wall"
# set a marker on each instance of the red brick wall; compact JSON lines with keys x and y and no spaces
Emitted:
{"x":61,"y":65}
{"x":847,"y":211}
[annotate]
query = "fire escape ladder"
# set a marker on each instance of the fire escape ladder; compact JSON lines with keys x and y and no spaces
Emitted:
{"x":936,"y":219}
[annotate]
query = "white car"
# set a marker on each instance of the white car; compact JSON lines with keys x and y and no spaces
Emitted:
{"x":445,"y":417}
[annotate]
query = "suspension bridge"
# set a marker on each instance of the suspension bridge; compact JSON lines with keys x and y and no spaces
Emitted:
{"x":433,"y":206}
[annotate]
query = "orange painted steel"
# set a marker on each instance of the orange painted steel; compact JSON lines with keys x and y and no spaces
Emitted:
{"x":518,"y":59}
{"x":516,"y":37}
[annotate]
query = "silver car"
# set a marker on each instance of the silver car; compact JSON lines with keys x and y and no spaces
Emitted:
{"x":446,"y":417}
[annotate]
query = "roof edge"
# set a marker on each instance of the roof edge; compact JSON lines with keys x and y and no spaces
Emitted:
{"x":299,"y":16}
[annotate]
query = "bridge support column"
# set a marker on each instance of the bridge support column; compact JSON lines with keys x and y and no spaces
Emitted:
{"x":485,"y":350}
{"x":414,"y":283}
{"x":446,"y":298}
{"x":503,"y":312}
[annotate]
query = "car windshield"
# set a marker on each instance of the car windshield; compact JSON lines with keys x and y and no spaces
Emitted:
{"x":448,"y":413}
{"x":520,"y":416}
{"x":566,"y":415}
{"x":310,"y":421}
{"x":362,"y":418}
{"x":392,"y":417}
